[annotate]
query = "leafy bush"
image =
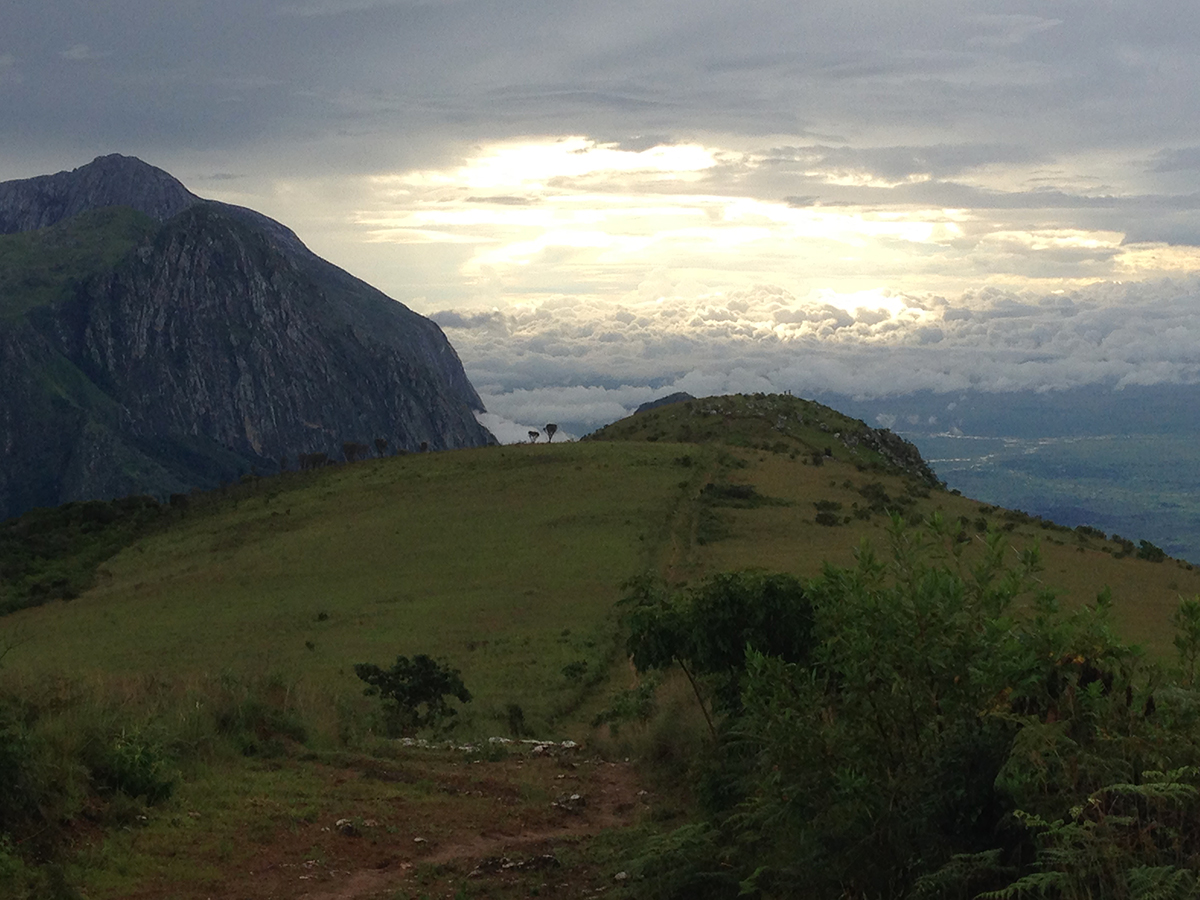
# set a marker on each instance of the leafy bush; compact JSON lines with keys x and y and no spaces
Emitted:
{"x":134,"y":764}
{"x":1148,"y":551}
{"x":257,"y":718}
{"x":937,"y":729}
{"x":709,"y":630}
{"x":21,"y":794}
{"x":634,"y":704}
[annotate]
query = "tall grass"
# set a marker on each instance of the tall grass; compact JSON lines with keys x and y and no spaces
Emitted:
{"x":100,"y":750}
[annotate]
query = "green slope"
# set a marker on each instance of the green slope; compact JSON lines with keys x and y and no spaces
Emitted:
{"x":506,"y":561}
{"x":37,"y":268}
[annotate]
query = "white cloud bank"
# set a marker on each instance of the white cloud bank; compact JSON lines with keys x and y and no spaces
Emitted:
{"x":591,"y":363}
{"x":507,"y":431}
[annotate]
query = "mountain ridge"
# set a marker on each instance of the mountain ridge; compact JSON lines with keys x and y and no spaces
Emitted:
{"x":217,"y":344}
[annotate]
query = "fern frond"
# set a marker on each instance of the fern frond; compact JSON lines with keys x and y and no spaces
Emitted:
{"x":1161,"y":883}
{"x":1036,"y":884}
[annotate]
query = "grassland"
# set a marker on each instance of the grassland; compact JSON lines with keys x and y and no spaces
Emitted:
{"x":508,"y":563}
{"x":505,"y":561}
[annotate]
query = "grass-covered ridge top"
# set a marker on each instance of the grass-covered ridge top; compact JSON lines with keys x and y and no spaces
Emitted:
{"x":778,"y":423}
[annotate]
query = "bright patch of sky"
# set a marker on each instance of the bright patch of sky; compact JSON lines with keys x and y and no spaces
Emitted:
{"x":574,"y":216}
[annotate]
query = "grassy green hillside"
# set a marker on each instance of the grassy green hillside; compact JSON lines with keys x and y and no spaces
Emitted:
{"x":37,"y":268}
{"x":243,"y":612}
{"x":506,"y":561}
{"x":807,"y":458}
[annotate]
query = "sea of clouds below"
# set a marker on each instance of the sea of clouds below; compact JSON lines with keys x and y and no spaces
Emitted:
{"x":583,"y":364}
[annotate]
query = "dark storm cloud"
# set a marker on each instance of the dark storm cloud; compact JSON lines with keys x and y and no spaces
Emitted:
{"x":237,"y":76}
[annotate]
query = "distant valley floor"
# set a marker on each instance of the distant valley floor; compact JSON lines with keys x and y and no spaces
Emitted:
{"x":1141,"y":486}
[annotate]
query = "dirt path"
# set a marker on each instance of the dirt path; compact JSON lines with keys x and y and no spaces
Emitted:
{"x":507,"y":855}
{"x":677,"y":560}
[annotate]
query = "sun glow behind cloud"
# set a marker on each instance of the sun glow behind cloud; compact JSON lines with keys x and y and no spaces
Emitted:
{"x":534,"y":165}
{"x":594,"y":218}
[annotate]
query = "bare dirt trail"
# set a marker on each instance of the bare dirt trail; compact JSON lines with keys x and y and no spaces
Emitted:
{"x":507,"y":854}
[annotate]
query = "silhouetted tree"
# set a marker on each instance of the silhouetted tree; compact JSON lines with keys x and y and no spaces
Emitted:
{"x":533,"y":436}
{"x":313,"y":460}
{"x":414,"y":691}
{"x":424,"y":446}
{"x":353,"y":450}
{"x":380,"y":445}
{"x":1147,"y":550}
{"x":550,"y":429}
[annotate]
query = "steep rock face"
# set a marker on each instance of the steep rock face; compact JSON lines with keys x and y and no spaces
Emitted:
{"x":212,"y":331}
{"x":107,"y":181}
{"x":34,"y":417}
{"x":217,"y":344}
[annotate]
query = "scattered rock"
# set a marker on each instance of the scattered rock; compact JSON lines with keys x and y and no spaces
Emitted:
{"x":497,"y":864}
{"x":570,"y":802}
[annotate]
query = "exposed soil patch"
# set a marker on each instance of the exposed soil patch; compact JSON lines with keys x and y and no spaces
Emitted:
{"x":437,"y":826}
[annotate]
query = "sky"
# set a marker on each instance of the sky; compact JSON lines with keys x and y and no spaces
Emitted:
{"x":603,"y":202}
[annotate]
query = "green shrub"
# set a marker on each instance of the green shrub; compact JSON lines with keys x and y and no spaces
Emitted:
{"x":257,"y":719}
{"x":135,"y":764}
{"x":941,"y":730}
{"x":21,"y":795}
{"x":1149,"y":552}
{"x":514,"y":717}
{"x":575,"y":671}
{"x":634,"y":704}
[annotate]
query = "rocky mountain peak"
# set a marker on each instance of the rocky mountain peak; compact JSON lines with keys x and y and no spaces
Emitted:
{"x":155,"y":357}
{"x":112,"y":180}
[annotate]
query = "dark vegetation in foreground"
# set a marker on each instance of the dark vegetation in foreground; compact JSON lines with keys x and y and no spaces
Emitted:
{"x":923,"y":725}
{"x":53,"y":553}
{"x":75,"y":757}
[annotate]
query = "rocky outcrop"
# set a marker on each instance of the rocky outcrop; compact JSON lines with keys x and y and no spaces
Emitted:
{"x":212,"y":331}
{"x":107,"y":181}
{"x":216,"y":345}
{"x":677,"y":397}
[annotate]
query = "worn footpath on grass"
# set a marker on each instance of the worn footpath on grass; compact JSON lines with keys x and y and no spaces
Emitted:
{"x":424,"y":823}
